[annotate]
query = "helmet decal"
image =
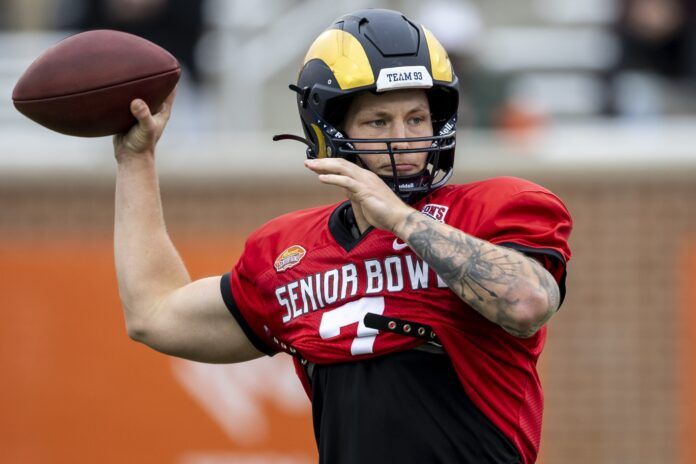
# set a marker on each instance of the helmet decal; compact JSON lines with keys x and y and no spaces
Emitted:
{"x":439,"y":60}
{"x":345,"y":56}
{"x":321,"y":141}
{"x":404,"y":77}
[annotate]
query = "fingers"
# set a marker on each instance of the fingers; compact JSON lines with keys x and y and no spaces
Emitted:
{"x":342,"y":173}
{"x":169,"y":101}
{"x":347,"y":183}
{"x":333,"y":166}
{"x":166,"y":108}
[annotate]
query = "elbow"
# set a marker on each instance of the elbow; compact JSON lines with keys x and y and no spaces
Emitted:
{"x":140,"y":316}
{"x":137,"y":328}
{"x":136,"y":332}
{"x":143,"y":324}
{"x":524,"y":327}
{"x":529,"y":317}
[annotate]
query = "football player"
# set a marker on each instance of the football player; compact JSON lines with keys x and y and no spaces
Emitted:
{"x":414,"y":310}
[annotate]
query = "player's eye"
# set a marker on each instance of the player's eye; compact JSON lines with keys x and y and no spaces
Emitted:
{"x":377,"y":123}
{"x":418,"y":119}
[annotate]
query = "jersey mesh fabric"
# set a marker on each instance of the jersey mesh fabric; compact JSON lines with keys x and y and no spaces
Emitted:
{"x":293,"y":309}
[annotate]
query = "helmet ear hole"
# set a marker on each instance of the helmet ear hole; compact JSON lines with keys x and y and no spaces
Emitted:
{"x":311,"y":137}
{"x":315,"y":98}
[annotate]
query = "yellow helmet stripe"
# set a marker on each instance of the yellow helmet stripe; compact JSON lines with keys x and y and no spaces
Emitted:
{"x":439,"y":61}
{"x":321,"y":142}
{"x":346,"y":58}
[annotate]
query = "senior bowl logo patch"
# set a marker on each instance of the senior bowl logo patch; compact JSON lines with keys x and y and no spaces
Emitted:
{"x":436,"y":212}
{"x":291,"y":257}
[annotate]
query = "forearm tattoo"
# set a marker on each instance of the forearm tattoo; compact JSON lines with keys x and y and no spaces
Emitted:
{"x":493,"y":280}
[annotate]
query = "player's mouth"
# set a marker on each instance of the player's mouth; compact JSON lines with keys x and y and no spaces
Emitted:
{"x":401,"y":168}
{"x":406,"y":168}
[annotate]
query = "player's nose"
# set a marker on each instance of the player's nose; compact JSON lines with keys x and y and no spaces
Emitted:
{"x":398,"y":131}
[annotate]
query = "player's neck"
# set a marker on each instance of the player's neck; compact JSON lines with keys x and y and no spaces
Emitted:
{"x":360,"y":218}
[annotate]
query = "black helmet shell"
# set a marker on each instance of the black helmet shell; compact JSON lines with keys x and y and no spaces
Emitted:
{"x":375,"y":50}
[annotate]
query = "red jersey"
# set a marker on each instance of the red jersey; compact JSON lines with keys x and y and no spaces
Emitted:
{"x":299,"y":287}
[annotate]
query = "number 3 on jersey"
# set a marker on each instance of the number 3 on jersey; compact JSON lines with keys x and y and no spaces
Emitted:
{"x":333,"y":321}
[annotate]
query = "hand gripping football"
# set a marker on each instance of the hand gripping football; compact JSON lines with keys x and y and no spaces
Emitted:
{"x":84,"y":84}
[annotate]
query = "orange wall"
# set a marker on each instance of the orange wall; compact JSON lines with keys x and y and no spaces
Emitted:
{"x":75,"y":389}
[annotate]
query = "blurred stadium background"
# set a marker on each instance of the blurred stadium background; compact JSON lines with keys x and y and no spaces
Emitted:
{"x":594,"y":99}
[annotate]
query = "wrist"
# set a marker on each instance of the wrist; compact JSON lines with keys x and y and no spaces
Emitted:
{"x":404,"y":218}
{"x":126,"y":158}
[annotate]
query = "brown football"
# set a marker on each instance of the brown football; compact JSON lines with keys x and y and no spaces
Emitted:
{"x":84,"y":84}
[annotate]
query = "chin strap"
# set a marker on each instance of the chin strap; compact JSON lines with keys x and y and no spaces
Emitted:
{"x":297,"y":138}
{"x":410,"y":188}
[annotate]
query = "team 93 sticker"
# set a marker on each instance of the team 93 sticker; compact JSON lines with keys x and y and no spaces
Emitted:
{"x":404,"y":77}
{"x":291,"y":257}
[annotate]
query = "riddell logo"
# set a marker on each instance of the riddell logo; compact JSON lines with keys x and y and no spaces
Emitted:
{"x":291,"y":257}
{"x":446,"y":129}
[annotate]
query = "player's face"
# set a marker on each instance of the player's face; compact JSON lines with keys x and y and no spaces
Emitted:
{"x":396,"y":114}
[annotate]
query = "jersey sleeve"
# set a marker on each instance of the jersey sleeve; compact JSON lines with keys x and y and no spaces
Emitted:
{"x":536,"y":223}
{"x":245,"y":302}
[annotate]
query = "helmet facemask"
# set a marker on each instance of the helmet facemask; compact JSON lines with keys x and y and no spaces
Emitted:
{"x":410,"y":187}
{"x":378,"y":51}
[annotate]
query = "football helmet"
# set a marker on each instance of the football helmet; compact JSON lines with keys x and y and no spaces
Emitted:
{"x":378,"y":50}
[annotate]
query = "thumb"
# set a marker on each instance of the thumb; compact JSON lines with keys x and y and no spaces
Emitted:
{"x":141,"y":112}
